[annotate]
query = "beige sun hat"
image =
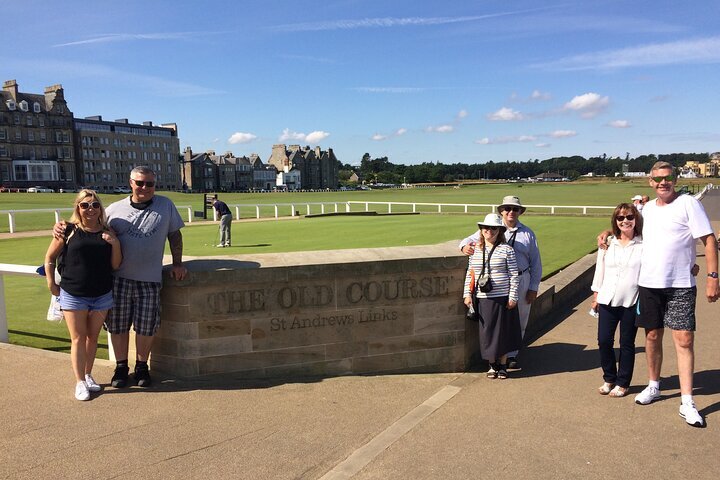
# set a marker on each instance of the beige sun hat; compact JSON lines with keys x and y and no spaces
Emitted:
{"x":511,"y":201}
{"x":636,"y":197}
{"x":492,"y":220}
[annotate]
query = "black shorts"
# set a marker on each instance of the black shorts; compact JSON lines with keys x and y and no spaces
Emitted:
{"x":673,"y":308}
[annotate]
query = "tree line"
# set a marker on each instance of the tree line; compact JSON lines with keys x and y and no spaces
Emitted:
{"x":381,"y":170}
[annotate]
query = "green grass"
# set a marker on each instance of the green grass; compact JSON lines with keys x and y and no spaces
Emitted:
{"x":562,"y":241}
{"x":606,"y":193}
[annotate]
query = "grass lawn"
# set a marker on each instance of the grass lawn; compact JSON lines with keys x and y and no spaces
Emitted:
{"x":562,"y":241}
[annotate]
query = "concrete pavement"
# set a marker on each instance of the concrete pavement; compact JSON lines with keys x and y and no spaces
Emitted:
{"x":546,"y":421}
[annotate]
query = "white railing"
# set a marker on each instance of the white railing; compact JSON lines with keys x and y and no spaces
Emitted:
{"x":490,"y":207}
{"x":10,"y":269}
{"x":11,"y":214}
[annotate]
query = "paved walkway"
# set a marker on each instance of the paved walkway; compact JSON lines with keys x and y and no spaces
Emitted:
{"x":544,"y":422}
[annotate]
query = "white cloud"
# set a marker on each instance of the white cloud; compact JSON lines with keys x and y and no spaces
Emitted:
{"x":125,"y":37}
{"x":400,"y":131}
{"x":619,"y":124}
{"x":240,"y":137}
{"x":507,"y":139}
{"x":483,"y":141}
{"x":542,"y":145}
{"x":588,"y":105}
{"x":505,"y":114}
{"x":440,"y":129}
{"x":695,"y":51}
{"x":377,"y":137}
{"x":316,"y":136}
{"x":461,"y":114}
{"x":538,"y":95}
{"x":388,"y":22}
{"x":288,"y":135}
{"x":563,"y":133}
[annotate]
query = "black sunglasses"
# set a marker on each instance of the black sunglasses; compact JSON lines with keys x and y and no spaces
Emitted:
{"x":621,"y":218}
{"x":485,"y":227}
{"x":141,"y":183}
{"x":86,"y":205}
{"x":510,"y":209}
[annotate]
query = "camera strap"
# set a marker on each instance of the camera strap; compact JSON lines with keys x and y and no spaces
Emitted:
{"x":488,"y":260}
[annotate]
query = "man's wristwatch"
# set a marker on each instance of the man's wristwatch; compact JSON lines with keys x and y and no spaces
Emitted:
{"x":713,"y":275}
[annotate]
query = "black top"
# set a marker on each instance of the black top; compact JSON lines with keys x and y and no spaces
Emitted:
{"x":221,"y":208}
{"x":87,"y":270}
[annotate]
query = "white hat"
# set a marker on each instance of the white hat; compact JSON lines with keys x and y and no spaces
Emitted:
{"x":636,"y":197}
{"x":492,"y":220}
{"x":511,"y":201}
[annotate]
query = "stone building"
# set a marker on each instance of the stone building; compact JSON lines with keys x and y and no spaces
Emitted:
{"x":210,"y":172}
{"x":318,"y":169}
{"x":108,"y":150}
{"x":36,"y":138}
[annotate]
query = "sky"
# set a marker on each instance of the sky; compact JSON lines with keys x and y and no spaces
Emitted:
{"x":466,"y":81}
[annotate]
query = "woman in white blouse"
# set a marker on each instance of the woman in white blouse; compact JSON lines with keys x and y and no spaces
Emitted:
{"x":615,"y":293}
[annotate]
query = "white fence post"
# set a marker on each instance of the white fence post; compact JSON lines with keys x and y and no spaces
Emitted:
{"x":237,"y":213}
{"x":190,"y":214}
{"x":257,"y":211}
{"x":276,"y":211}
{"x":11,"y":221}
{"x":292,"y":210}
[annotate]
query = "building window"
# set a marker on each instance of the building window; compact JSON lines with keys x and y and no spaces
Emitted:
{"x":3,"y":151}
{"x":41,"y":121}
{"x":31,"y":136}
{"x":10,"y":104}
{"x":36,"y":107}
{"x":16,"y":118}
{"x":18,"y":135}
{"x":43,"y":137}
{"x":66,"y":152}
{"x":3,"y":134}
{"x":24,"y":106}
{"x":29,"y":120}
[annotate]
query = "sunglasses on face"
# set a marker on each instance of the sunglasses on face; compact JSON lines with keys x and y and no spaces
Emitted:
{"x":667,"y":178}
{"x":492,"y":229}
{"x":141,"y":183}
{"x":622,"y":218}
{"x":86,"y":205}
{"x":511,"y":209}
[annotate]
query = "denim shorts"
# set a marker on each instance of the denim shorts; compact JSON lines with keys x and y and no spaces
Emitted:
{"x":71,"y":302}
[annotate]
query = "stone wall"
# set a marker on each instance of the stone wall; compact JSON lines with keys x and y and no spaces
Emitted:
{"x":316,"y":313}
{"x":343,"y":312}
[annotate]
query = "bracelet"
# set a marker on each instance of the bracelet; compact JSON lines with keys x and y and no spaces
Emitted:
{"x":49,"y":263}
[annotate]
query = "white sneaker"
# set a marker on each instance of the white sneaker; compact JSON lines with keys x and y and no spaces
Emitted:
{"x":221,"y":245}
{"x":91,"y":383}
{"x":81,"y":391}
{"x":647,"y":396}
{"x":691,"y":415}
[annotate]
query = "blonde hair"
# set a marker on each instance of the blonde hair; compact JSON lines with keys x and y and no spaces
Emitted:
{"x":77,"y":219}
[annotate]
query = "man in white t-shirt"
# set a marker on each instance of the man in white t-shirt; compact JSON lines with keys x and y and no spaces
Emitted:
{"x":672,"y":225}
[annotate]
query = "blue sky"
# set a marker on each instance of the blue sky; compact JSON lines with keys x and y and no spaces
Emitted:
{"x":450,"y":81}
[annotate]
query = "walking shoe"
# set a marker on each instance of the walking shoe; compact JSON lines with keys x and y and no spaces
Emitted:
{"x":120,"y":378}
{"x":647,"y":396}
{"x":492,"y":373}
{"x":221,"y":245}
{"x":513,"y":363}
{"x":81,"y":391}
{"x":142,"y":376}
{"x":502,"y":372}
{"x":691,"y":415}
{"x":91,"y":383}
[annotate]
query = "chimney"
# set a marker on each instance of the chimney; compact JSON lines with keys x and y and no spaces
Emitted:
{"x":11,"y":87}
{"x":121,"y":120}
{"x":188,"y":154}
{"x":94,"y":117}
{"x":147,"y":124}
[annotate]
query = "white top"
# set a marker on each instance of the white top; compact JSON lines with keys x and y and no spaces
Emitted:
{"x":670,"y":233}
{"x":503,"y":273}
{"x":616,"y":273}
{"x":524,"y":241}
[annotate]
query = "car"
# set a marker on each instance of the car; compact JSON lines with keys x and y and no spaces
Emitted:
{"x":121,"y":190}
{"x":40,"y":189}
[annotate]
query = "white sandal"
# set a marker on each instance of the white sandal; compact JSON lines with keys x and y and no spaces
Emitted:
{"x":605,"y":388}
{"x":618,"y":391}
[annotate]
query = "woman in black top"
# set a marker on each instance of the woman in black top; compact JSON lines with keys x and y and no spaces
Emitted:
{"x":90,"y":252}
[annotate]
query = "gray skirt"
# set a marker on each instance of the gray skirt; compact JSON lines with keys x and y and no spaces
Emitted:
{"x":499,"y":328}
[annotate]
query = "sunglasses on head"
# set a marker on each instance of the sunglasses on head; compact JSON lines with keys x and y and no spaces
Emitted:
{"x":621,"y":218}
{"x":142,"y":183}
{"x":86,"y":205}
{"x":667,"y":178}
{"x":510,"y":209}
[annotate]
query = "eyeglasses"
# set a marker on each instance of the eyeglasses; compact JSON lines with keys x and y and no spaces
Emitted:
{"x":622,"y":218}
{"x":667,"y":178}
{"x":485,"y":227}
{"x":86,"y":205}
{"x":510,"y":209}
{"x":141,"y":183}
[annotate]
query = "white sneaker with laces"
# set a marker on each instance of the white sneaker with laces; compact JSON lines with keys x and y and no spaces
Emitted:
{"x":647,"y":396}
{"x":91,"y":383}
{"x":691,"y":415}
{"x":81,"y":391}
